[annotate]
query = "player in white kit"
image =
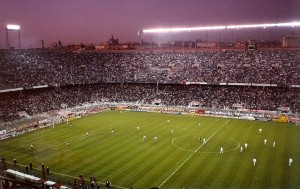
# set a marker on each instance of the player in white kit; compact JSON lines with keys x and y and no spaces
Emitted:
{"x":290,"y":161}
{"x":265,"y":142}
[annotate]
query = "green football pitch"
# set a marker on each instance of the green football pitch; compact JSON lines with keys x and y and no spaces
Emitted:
{"x":177,"y":159}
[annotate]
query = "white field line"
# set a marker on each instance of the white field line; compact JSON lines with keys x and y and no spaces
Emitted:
{"x":190,"y":156}
{"x":225,"y":151}
{"x":180,"y":147}
{"x":93,"y":133}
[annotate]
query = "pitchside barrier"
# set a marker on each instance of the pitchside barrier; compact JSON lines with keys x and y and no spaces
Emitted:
{"x":17,"y":174}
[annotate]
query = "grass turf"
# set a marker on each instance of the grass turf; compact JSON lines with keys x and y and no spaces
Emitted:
{"x":173,"y":161}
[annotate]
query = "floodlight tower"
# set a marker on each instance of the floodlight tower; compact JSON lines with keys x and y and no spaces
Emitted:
{"x":140,"y":32}
{"x":11,"y":27}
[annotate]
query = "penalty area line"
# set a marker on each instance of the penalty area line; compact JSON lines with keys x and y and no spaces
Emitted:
{"x":191,"y":156}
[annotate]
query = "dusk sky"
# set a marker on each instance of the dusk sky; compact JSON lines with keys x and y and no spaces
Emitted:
{"x":94,"y":21}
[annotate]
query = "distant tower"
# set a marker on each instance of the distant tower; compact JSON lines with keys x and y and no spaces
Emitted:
{"x":59,"y":44}
{"x":113,"y":41}
{"x":41,"y":45}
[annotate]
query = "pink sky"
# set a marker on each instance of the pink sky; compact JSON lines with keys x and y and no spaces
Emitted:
{"x":93,"y":21}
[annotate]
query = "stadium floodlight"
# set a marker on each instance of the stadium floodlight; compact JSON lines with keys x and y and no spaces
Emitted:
{"x":250,"y":26}
{"x":166,"y":30}
{"x":243,"y":26}
{"x":289,"y":24}
{"x":13,"y":27}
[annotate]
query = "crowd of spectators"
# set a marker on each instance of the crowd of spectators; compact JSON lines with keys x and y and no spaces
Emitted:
{"x":39,"y":67}
{"x":75,"y":78}
{"x":35,"y":101}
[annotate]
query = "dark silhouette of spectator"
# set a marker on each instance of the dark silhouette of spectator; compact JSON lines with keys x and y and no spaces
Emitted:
{"x":26,"y":168}
{"x":15,"y":162}
{"x":43,"y":173}
{"x":98,"y":186}
{"x":74,"y":183}
{"x":107,"y":184}
{"x":3,"y":162}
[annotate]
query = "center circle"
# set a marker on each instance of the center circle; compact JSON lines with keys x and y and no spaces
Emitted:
{"x":192,"y":143}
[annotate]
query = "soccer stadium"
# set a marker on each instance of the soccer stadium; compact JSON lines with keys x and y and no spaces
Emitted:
{"x":173,"y":113}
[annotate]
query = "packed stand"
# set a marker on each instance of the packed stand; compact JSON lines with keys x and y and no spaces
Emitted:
{"x":57,"y":68}
{"x":35,"y":101}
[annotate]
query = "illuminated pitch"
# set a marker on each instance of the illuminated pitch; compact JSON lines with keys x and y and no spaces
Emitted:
{"x":167,"y":30}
